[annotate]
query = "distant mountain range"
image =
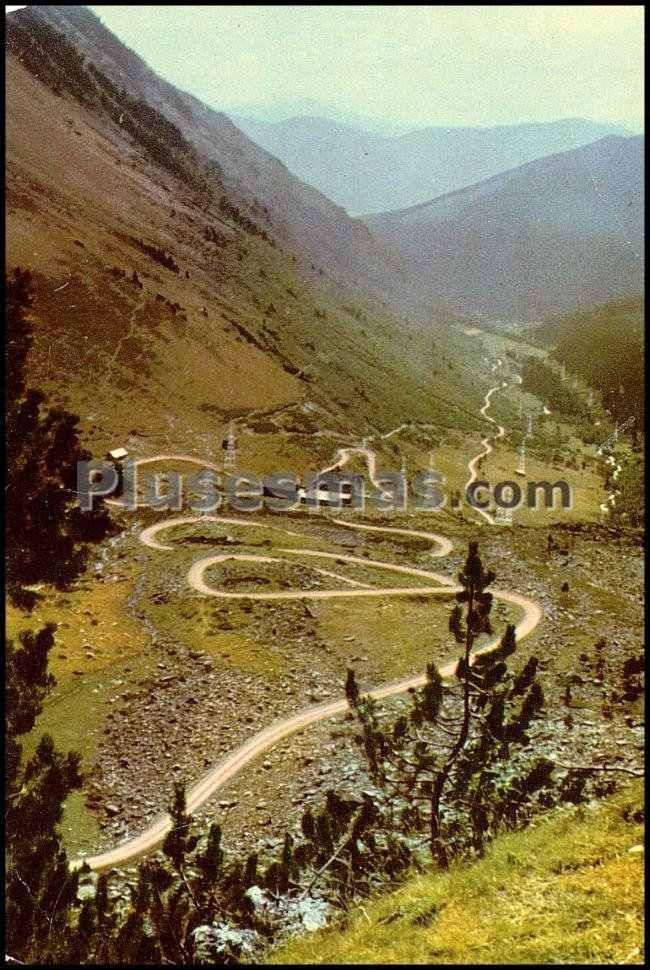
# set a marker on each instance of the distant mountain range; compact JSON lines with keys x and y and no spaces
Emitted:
{"x":556,"y":233}
{"x":302,"y":217}
{"x":369,"y":171}
{"x":543,"y":237}
{"x":185,"y":278}
{"x":282,"y":111}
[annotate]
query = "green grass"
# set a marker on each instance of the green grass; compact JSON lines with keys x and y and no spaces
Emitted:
{"x":567,"y":890}
{"x":92,"y":615}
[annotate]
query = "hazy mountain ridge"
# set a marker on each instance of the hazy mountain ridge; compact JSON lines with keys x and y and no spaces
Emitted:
{"x":282,"y":111}
{"x":559,"y":232}
{"x":370,"y":171}
{"x":302,"y":217}
{"x":162,"y":310}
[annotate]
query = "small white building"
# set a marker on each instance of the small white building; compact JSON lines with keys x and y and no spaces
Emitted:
{"x":117,"y":454}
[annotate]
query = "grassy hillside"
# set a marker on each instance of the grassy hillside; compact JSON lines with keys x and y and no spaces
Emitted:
{"x":163,"y":312}
{"x":323,"y":237}
{"x":604,"y":345}
{"x":568,"y":890}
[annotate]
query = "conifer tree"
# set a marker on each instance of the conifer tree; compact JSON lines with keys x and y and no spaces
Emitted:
{"x":42,"y":454}
{"x":454,"y":754}
{"x":40,"y":890}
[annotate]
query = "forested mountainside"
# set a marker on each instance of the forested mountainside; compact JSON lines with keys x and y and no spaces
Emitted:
{"x":604,"y":345}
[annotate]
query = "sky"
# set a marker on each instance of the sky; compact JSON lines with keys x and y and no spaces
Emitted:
{"x":414,"y":65}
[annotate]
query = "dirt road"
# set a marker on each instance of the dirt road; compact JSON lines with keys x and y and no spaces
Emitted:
{"x":257,"y":745}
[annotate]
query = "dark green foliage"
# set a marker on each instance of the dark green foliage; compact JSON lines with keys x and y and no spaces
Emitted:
{"x":448,"y":775}
{"x":540,"y":379}
{"x":621,"y":679}
{"x":210,"y":861}
{"x":457,"y":753}
{"x":52,"y":58}
{"x":351,"y":688}
{"x":180,"y":840}
{"x":159,"y":256}
{"x":604,"y":346}
{"x":42,"y":454}
{"x":455,"y":624}
{"x":630,"y":502}
{"x":237,"y":216}
{"x":46,"y":53}
{"x":46,"y":537}
{"x":40,"y":891}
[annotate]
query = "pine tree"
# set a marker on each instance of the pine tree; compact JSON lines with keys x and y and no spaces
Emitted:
{"x":456,"y":753}
{"x":42,"y":454}
{"x":455,"y":623}
{"x":180,"y":840}
{"x":351,"y":688}
{"x":40,"y":890}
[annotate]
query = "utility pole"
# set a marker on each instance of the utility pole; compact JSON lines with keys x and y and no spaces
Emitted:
{"x":230,"y":447}
{"x":521,"y":466}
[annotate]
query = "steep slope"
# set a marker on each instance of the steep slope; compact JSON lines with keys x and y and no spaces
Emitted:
{"x":367,"y":171}
{"x":163,"y":310}
{"x":558,"y":232}
{"x":604,"y":345}
{"x":302,"y":218}
{"x":567,"y":891}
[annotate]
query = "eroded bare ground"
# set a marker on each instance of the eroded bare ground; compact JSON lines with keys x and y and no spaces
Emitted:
{"x":195,"y":708}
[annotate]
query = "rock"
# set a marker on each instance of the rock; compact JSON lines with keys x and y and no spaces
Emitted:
{"x":257,"y":897}
{"x":86,"y":892}
{"x":112,"y":809}
{"x":214,"y":943}
{"x":312,"y":913}
{"x":637,"y":849}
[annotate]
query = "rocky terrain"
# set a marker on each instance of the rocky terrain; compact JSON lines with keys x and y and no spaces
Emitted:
{"x":177,"y":722}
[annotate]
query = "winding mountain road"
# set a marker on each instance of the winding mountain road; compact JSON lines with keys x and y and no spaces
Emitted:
{"x":210,"y":783}
{"x":473,"y":465}
{"x":261,"y":742}
{"x":344,"y":455}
